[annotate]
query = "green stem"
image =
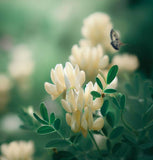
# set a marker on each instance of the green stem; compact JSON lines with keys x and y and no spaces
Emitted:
{"x":74,"y":145}
{"x":127,"y":125}
{"x":94,"y":141}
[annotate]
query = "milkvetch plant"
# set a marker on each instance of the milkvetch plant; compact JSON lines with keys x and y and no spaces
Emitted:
{"x":96,"y":101}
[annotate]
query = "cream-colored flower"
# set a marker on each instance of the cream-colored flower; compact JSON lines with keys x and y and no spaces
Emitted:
{"x":80,"y":107}
{"x":22,"y":65}
{"x":96,"y":30}
{"x":64,"y":79}
{"x":126,"y":62}
{"x":18,"y":150}
{"x":90,"y":59}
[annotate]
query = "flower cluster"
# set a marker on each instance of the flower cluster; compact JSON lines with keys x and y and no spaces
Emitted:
{"x":90,"y":56}
{"x":87,"y":54}
{"x":96,"y":30}
{"x":64,"y":79}
{"x":17,"y":150}
{"x":80,"y":107}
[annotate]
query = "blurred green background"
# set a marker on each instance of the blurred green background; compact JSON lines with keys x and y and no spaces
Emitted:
{"x":50,"y":28}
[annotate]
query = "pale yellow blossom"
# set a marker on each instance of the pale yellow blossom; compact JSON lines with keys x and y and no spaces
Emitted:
{"x":90,"y":59}
{"x":126,"y":62}
{"x":80,"y":107}
{"x":18,"y":150}
{"x":63,"y":79}
{"x":96,"y":30}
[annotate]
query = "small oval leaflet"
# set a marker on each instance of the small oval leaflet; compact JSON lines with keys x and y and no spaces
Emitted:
{"x":39,"y":119}
{"x":104,"y":108}
{"x":116,"y":132}
{"x":110,"y":118}
{"x":110,"y":91}
{"x":43,"y":111}
{"x":99,"y":83}
{"x":57,"y":123}
{"x":95,"y":94}
{"x":112,"y":74}
{"x":57,"y":143}
{"x":45,"y":130}
{"x":52,"y":118}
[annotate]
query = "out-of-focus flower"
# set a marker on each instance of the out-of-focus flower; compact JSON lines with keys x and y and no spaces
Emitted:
{"x":22,"y":64}
{"x":10,"y":123}
{"x":64,"y":79}
{"x":96,"y":30}
{"x":18,"y":150}
{"x":90,"y":59}
{"x":5,"y":87}
{"x":80,"y":107}
{"x":126,"y":62}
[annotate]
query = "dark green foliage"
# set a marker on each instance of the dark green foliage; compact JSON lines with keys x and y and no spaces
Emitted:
{"x":45,"y":130}
{"x":104,"y":108}
{"x":52,"y":118}
{"x":114,"y":100}
{"x":39,"y":119}
{"x":43,"y":112}
{"x":99,"y":83}
{"x":110,"y":91}
{"x":57,"y":143}
{"x":122,"y":102}
{"x":116,"y":132}
{"x":57,"y":123}
{"x":112,"y":74}
{"x":63,"y":155}
{"x":108,"y":144}
{"x":95,"y":94}
{"x":110,"y":119}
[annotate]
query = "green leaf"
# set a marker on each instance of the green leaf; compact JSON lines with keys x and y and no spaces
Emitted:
{"x":110,"y":118}
{"x":116,"y":132}
{"x":43,"y":112}
{"x":39,"y":119}
{"x":112,"y":74}
{"x":108,"y":144}
{"x":99,"y":83}
{"x":45,"y":130}
{"x":122,"y":101}
{"x":52,"y":118}
{"x":57,"y":143}
{"x":63,"y":155}
{"x":104,"y":108}
{"x":57,"y":124}
{"x":116,"y":147}
{"x":110,"y":90}
{"x":146,"y":145}
{"x":131,"y":139}
{"x":115,"y":102}
{"x":95,"y":94}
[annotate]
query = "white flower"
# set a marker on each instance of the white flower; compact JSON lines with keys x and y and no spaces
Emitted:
{"x":90,"y":59}
{"x":96,"y":30}
{"x":126,"y":62}
{"x":80,"y":107}
{"x":20,"y":150}
{"x":22,"y":64}
{"x":64,"y":79}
